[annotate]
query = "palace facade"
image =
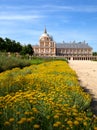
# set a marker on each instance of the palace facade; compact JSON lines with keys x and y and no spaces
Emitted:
{"x":48,"y":47}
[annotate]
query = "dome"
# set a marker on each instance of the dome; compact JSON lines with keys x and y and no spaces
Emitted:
{"x":44,"y":34}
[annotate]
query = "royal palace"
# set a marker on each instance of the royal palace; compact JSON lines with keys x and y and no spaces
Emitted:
{"x":49,"y":48}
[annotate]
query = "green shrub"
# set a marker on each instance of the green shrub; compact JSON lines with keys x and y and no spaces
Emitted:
{"x":12,"y":62}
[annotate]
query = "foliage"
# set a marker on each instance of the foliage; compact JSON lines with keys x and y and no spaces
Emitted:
{"x":12,"y":62}
{"x":48,"y":59}
{"x":44,"y":97}
{"x":8,"y":45}
{"x":27,"y":49}
{"x":94,"y":53}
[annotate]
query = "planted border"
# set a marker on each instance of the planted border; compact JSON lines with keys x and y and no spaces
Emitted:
{"x":45,"y":97}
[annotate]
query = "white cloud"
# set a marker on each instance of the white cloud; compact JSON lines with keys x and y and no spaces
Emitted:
{"x":83,"y":8}
{"x":21,"y":21}
{"x":20,"y":17}
{"x":88,"y":9}
{"x":49,"y":8}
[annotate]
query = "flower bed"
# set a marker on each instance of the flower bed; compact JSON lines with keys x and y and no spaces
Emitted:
{"x":45,"y":97}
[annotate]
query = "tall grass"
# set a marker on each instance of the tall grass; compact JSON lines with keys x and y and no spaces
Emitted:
{"x":12,"y":62}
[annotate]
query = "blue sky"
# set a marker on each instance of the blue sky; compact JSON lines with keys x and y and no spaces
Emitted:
{"x":65,"y":20}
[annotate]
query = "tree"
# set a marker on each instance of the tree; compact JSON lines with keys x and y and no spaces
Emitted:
{"x":9,"y":45}
{"x":27,"y":49}
{"x":94,"y":53}
{"x":24,"y":50}
{"x":30,"y":50}
{"x":19,"y":47}
{"x":2,"y":44}
{"x":12,"y":45}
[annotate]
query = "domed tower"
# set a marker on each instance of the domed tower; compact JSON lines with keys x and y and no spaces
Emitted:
{"x":44,"y":38}
{"x":46,"y":45}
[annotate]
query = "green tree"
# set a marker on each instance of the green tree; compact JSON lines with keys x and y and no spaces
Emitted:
{"x":2,"y":44}
{"x":18,"y":47}
{"x":9,"y":46}
{"x":24,"y":50}
{"x":94,"y":53}
{"x":30,"y":50}
{"x":27,"y":49}
{"x":12,"y":45}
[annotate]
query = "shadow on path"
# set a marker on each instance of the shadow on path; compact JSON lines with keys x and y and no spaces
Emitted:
{"x":93,"y":104}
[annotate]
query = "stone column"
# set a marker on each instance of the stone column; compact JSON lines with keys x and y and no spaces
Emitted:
{"x":44,"y":48}
{"x":39,"y":50}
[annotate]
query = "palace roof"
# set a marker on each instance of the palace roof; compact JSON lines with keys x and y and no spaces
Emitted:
{"x":73,"y":45}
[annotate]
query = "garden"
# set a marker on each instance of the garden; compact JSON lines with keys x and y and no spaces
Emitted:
{"x":46,"y":96}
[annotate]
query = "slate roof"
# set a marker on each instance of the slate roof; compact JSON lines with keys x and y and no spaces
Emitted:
{"x":36,"y":46}
{"x":73,"y":45}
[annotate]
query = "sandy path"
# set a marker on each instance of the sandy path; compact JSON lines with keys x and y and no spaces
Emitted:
{"x":87,"y":75}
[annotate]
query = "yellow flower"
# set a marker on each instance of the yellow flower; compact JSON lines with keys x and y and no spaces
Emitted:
{"x":69,"y":122}
{"x":18,"y":113}
{"x":48,"y":117}
{"x":23,"y":119}
{"x":31,"y":101}
{"x":29,"y":119}
{"x":95,"y":128}
{"x":30,"y":113}
{"x":58,"y":122}
{"x":26,"y":113}
{"x":32,"y":118}
{"x":56,"y":117}
{"x":55,"y":125}
{"x":79,"y":118}
{"x":75,"y":114}
{"x":0,"y":112}
{"x":63,"y":126}
{"x":7,"y":123}
{"x":76,"y":123}
{"x":85,"y":123}
{"x":36,"y":126}
{"x":20,"y":122}
{"x":35,"y":110}
{"x":11,"y":120}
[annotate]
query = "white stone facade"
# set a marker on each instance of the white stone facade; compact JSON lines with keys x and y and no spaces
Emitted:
{"x":47,"y":47}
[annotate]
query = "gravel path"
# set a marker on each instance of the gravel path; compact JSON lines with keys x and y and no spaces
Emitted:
{"x":87,"y":75}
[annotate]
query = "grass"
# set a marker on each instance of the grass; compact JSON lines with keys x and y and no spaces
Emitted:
{"x":39,"y":60}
